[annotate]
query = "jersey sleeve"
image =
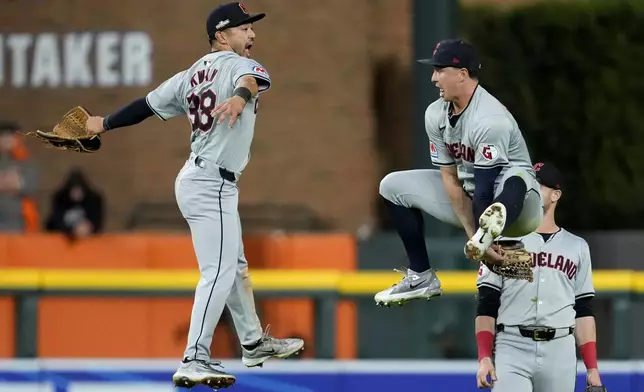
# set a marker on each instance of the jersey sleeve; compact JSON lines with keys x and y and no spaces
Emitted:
{"x":487,"y":278}
{"x":251,"y":67}
{"x":491,"y":141}
{"x":437,"y":149}
{"x":584,"y":287}
{"x":164,"y":100}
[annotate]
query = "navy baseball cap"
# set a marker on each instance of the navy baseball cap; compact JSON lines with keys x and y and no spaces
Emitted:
{"x":229,"y":15}
{"x":549,"y":175}
{"x":454,"y":52}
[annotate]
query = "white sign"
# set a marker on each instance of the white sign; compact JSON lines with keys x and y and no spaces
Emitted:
{"x":82,"y":59}
{"x":26,"y":387}
{"x":121,"y":387}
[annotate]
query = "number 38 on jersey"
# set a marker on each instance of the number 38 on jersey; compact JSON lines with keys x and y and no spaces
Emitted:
{"x":201,"y":105}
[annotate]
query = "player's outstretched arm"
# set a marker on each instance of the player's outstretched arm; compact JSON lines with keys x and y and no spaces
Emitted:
{"x":461,"y":203}
{"x":245,"y":90}
{"x":131,"y":114}
{"x":162,"y":101}
{"x":248,"y":82}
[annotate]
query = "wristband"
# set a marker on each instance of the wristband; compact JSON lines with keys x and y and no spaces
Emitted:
{"x":588,"y":352}
{"x":243,"y":92}
{"x":106,"y":125}
{"x":484,"y":343}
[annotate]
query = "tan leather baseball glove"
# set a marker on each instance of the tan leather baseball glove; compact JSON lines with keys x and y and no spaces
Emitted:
{"x":517,"y":263}
{"x":71,"y":133}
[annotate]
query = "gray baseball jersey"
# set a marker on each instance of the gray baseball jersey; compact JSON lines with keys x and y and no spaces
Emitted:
{"x":562,"y":273}
{"x":196,"y":91}
{"x":486,"y":136}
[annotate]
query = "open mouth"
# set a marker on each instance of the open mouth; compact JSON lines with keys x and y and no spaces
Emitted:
{"x":247,"y":49}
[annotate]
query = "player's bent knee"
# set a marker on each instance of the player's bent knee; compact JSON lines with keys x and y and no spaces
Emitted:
{"x":389,"y":186}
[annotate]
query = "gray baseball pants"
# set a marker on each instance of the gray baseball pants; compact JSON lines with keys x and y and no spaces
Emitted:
{"x":424,"y":189}
{"x":209,"y":205}
{"x":523,"y":365}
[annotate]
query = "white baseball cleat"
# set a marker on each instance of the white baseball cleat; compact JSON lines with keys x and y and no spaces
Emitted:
{"x":424,"y":285}
{"x":491,"y":225}
{"x":194,"y":372}
{"x":271,"y":347}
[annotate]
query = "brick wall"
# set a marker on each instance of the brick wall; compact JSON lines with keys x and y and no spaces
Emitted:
{"x":316,"y":142}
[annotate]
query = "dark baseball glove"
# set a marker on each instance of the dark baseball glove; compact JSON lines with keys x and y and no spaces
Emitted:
{"x":71,"y":133}
{"x":517,"y":263}
{"x":592,"y":388}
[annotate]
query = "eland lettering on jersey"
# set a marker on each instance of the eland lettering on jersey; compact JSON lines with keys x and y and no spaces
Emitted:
{"x":558,"y":262}
{"x":460,"y":151}
{"x":485,"y":136}
{"x":562,"y":274}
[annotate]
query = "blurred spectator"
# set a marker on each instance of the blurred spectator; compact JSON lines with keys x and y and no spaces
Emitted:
{"x":18,"y":183}
{"x":76,"y":209}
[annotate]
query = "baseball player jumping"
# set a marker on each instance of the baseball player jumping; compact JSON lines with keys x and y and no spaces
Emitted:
{"x":219,"y":95}
{"x":525,"y":331}
{"x":485,"y":173}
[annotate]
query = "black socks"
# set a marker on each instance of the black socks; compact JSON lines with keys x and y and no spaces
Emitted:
{"x":251,"y":347}
{"x":411,"y":229}
{"x":512,"y":197}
